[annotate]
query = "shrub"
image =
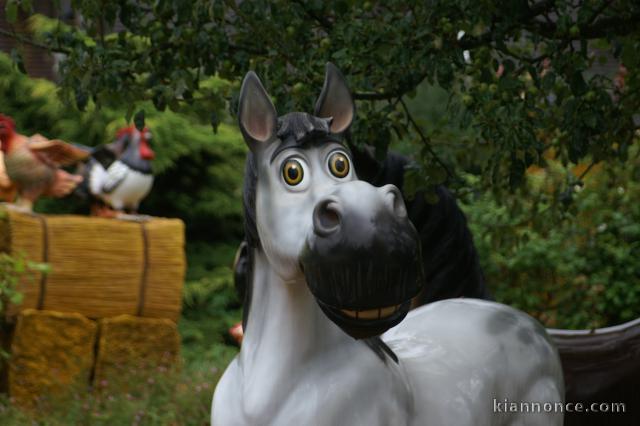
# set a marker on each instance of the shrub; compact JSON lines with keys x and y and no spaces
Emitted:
{"x":572,"y":267}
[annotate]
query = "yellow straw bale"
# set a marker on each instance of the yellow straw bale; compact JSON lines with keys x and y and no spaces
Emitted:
{"x":100,"y":267}
{"x":51,"y":353}
{"x":132,"y":350}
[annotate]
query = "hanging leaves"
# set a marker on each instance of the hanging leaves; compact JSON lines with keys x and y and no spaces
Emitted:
{"x":516,"y":82}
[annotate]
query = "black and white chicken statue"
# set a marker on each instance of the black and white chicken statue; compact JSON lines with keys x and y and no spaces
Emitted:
{"x":118,"y":175}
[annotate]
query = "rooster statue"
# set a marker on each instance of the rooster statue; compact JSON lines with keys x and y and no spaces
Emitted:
{"x":118,"y":175}
{"x":32,"y":165}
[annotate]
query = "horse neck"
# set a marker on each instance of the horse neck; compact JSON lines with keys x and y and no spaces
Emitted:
{"x":285,"y":328}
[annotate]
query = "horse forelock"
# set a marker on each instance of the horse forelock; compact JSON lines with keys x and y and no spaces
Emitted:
{"x":299,"y":128}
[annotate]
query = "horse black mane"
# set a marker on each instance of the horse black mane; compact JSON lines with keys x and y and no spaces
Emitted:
{"x":450,"y":258}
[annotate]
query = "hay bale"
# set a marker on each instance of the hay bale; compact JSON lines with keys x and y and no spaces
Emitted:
{"x":131,"y":350}
{"x":99,"y":267}
{"x":51,"y":353}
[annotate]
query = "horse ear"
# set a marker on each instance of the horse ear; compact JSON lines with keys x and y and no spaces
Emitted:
{"x":335,"y":100}
{"x":256,"y":113}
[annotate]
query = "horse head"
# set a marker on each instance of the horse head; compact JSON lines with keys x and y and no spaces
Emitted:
{"x":317,"y":223}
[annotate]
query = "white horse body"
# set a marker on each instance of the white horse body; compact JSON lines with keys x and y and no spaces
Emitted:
{"x":463,"y":357}
{"x":458,"y":360}
{"x":455,"y":358}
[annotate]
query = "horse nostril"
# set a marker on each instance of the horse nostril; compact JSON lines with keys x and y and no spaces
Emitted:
{"x":393,"y":198}
{"x":326,"y":218}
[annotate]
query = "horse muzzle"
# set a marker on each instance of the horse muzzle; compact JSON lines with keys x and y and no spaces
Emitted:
{"x":362,"y":262}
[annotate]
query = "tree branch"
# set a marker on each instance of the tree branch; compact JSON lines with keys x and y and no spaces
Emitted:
{"x":373,"y":96}
{"x":427,"y":142}
{"x":325,"y":23}
{"x":536,"y":9}
{"x":530,"y":61}
{"x":605,"y":4}
{"x":587,"y":170}
{"x":26,"y":40}
{"x":599,"y":29}
{"x":540,"y":8}
{"x":411,"y":83}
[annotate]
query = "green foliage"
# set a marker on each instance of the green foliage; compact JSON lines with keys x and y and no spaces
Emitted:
{"x":204,"y":258}
{"x":521,"y":69}
{"x":198,"y":180}
{"x":212,"y":294}
{"x":13,"y":269}
{"x":34,"y":106}
{"x":211,"y":303}
{"x":572,"y":266}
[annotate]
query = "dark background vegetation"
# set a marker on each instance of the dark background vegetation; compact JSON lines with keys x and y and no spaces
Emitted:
{"x":531,"y":117}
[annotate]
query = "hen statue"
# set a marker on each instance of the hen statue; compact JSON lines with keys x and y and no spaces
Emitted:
{"x":119,"y":175}
{"x":33,"y":164}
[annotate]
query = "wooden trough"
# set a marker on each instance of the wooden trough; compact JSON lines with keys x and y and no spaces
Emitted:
{"x":99,"y":267}
{"x":601,"y":366}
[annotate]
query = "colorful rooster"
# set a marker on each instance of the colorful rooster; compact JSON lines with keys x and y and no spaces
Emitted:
{"x":119,"y":175}
{"x":32,"y":164}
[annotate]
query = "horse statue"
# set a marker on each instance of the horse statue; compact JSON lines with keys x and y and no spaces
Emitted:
{"x":333,"y":266}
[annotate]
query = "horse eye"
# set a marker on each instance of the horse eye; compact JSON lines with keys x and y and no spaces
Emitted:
{"x":339,"y":165}
{"x":292,"y":172}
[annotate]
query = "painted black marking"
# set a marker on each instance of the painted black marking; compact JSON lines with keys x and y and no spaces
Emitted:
{"x":381,"y":349}
{"x":501,"y":321}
